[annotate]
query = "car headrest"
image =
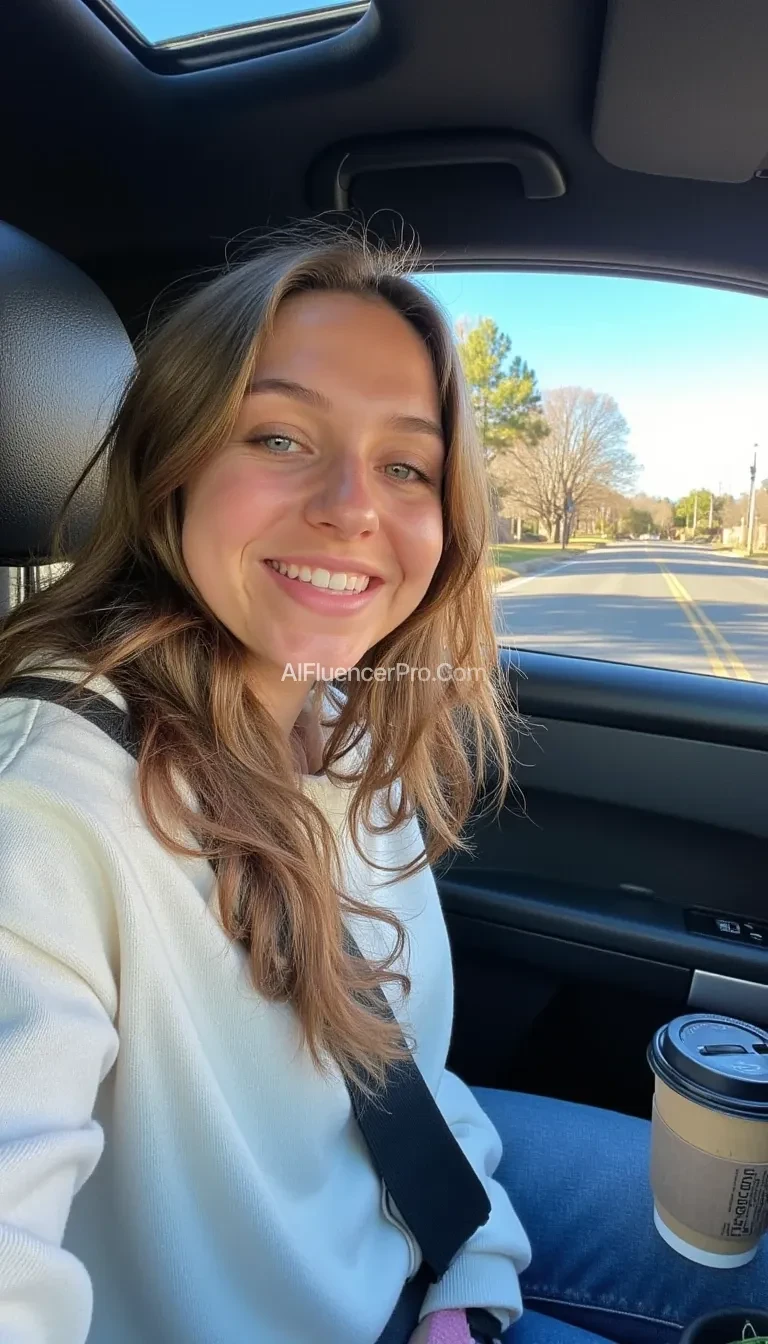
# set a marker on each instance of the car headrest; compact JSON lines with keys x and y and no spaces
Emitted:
{"x":64,"y":359}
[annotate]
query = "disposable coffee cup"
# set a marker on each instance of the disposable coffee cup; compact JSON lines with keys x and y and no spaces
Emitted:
{"x":709,"y":1138}
{"x":730,"y":1326}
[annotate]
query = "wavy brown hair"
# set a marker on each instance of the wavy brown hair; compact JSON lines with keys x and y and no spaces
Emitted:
{"x":127,"y":609}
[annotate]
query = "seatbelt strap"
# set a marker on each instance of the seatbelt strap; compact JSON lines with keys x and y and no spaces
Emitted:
{"x":434,"y":1186}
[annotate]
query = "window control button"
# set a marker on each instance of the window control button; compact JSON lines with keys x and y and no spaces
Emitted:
{"x":732,"y":928}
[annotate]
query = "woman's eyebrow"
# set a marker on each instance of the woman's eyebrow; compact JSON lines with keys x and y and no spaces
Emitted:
{"x":410,"y":424}
{"x":417,"y":424}
{"x":290,"y":389}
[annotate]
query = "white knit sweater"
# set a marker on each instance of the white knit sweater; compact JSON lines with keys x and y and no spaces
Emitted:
{"x":172,"y":1167}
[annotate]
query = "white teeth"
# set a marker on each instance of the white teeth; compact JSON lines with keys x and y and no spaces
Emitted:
{"x":336,"y":582}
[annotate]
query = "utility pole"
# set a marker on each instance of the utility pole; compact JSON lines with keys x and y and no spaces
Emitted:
{"x":752,"y":502}
{"x":711,"y":509}
{"x":695,"y":511}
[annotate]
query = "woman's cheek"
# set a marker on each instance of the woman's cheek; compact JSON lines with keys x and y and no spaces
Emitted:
{"x":241,"y":506}
{"x":423,"y":541}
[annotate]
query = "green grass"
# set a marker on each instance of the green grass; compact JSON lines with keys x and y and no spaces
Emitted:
{"x":500,"y":574}
{"x":511,"y":554}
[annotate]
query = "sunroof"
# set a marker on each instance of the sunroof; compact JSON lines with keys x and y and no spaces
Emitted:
{"x":166,"y":20}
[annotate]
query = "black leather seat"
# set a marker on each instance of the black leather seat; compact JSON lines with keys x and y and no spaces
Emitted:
{"x":64,"y":360}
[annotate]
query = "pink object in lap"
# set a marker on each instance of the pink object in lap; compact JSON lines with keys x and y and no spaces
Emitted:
{"x":448,"y":1327}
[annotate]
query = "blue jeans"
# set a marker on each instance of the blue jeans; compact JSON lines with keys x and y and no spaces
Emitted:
{"x":578,"y":1179}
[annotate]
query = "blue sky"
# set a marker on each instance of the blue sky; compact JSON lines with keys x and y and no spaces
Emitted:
{"x":687,"y":366}
{"x":161,"y":19}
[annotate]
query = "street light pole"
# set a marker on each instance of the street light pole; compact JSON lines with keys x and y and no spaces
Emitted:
{"x":752,"y":502}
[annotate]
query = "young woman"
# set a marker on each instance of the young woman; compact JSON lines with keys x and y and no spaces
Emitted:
{"x":286,"y":592}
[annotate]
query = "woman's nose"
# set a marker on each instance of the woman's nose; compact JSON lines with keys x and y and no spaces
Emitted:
{"x":344,"y":498}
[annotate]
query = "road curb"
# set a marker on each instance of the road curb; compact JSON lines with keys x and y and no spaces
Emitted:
{"x":742,"y":555}
{"x":538,"y":567}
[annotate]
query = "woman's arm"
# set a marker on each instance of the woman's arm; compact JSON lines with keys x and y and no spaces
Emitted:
{"x":57,"y":1043}
{"x":485,"y":1272}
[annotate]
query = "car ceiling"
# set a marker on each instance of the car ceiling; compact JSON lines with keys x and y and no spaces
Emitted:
{"x":141,"y":177}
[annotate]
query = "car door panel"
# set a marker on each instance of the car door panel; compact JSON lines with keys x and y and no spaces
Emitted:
{"x":629,"y":866}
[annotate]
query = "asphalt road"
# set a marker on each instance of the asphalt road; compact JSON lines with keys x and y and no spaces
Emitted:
{"x":658,"y":604}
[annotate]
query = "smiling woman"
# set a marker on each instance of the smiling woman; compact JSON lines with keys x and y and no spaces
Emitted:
{"x":307,"y":409}
{"x":333,"y":471}
{"x":293,"y":483}
{"x":225,"y":975}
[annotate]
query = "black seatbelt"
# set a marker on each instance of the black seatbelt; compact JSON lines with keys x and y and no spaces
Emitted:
{"x":432,"y":1183}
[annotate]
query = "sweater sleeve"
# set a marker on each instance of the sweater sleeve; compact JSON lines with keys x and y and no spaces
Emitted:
{"x":485,"y":1271}
{"x":58,"y":1000}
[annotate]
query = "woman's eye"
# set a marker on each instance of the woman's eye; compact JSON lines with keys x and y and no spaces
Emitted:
{"x":280,"y":444}
{"x":405,"y":472}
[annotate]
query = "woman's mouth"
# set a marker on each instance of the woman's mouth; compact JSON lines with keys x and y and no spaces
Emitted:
{"x":324,"y":590}
{"x":335,"y":581}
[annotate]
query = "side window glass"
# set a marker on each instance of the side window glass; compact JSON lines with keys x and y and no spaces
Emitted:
{"x":625,"y":437}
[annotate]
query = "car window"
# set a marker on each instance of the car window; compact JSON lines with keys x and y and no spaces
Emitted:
{"x":625,"y":432}
{"x":183,"y":18}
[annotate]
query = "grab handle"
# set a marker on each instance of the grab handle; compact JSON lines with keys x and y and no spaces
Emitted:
{"x":541,"y":175}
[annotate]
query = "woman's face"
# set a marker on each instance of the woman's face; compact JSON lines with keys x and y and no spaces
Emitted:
{"x":318,"y":527}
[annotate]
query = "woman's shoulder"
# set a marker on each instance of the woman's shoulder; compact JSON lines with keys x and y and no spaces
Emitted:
{"x":63,"y":793}
{"x":54,"y":759}
{"x":52,"y":668}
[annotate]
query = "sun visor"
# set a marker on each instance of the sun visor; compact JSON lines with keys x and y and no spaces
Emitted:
{"x":683,"y":88}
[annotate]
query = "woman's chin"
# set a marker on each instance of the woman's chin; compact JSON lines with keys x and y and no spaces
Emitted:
{"x":317,"y":660}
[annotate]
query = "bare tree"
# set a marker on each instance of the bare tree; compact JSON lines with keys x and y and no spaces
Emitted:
{"x":662,"y":511}
{"x":600,"y":514}
{"x":558,"y":476}
{"x":736,"y":511}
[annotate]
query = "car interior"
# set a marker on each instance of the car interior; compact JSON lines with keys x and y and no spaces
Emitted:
{"x":625,"y":880}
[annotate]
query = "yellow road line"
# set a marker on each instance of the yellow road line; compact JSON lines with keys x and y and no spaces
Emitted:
{"x":715,"y":662}
{"x":723,"y":660}
{"x":730,"y":657}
